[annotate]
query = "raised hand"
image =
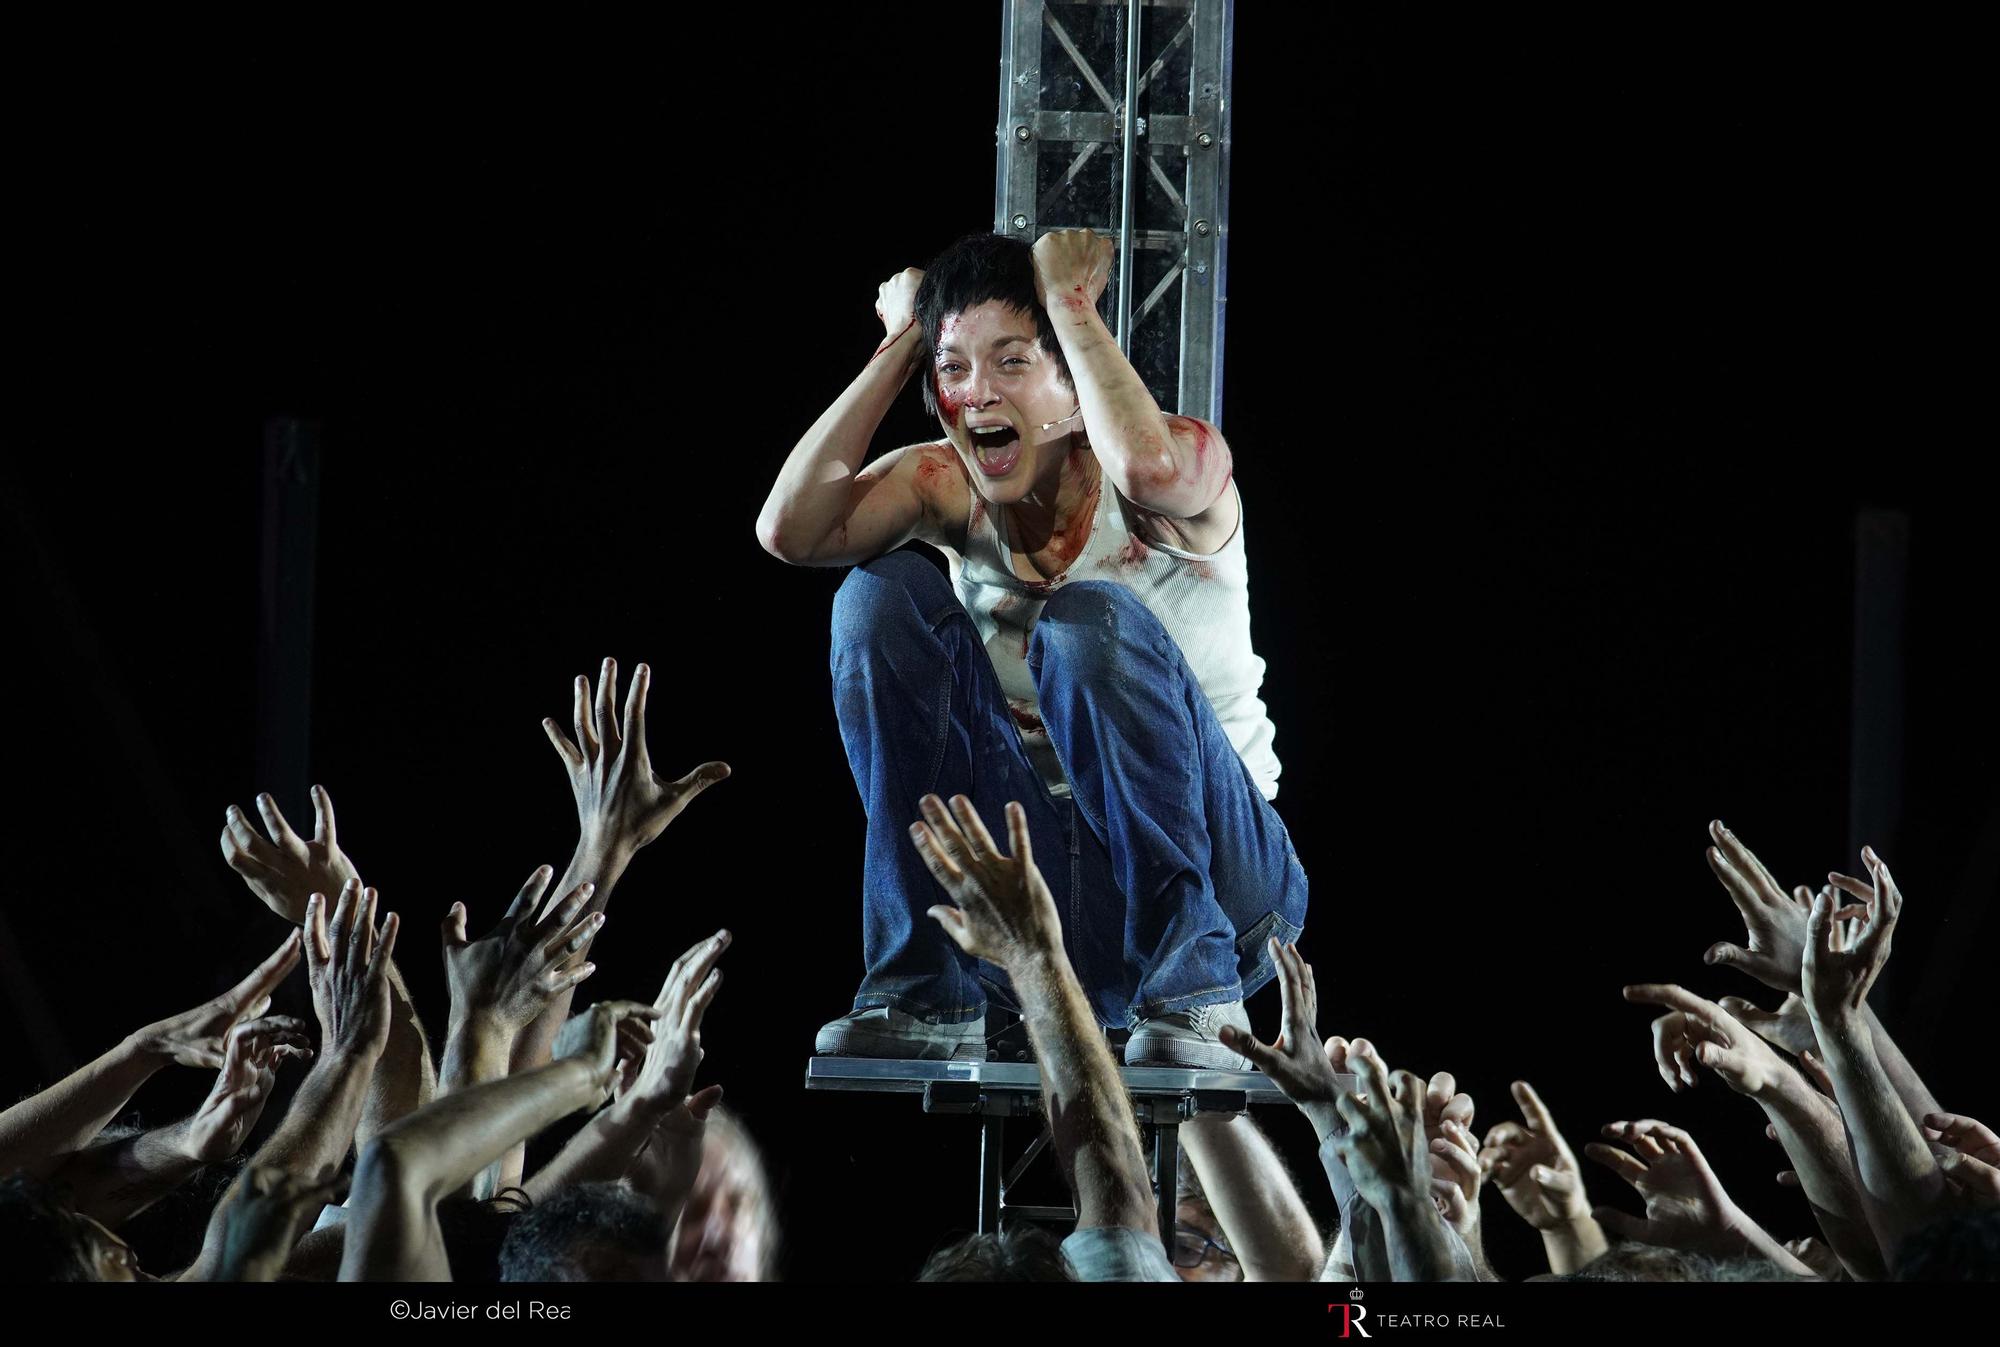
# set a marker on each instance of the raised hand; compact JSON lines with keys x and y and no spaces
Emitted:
{"x":1966,"y":1135}
{"x":285,"y":870}
{"x":1297,"y":1062}
{"x":896,"y":301}
{"x":1847,"y":946}
{"x":272,"y":1208}
{"x":1384,"y":1146}
{"x":197,"y":1037}
{"x":1788,"y":1027}
{"x":620,"y":804}
{"x":1005,"y":913}
{"x":1534,"y":1168}
{"x":671,"y":1161}
{"x":1686,"y":1206}
{"x":509,"y":975}
{"x":1072,"y":267}
{"x":1455,"y":1174}
{"x":347,"y":962}
{"x":1774,"y":920}
{"x":604,"y":1035}
{"x":667,"y":1071}
{"x":254,"y":1051}
{"x":1697,"y":1031}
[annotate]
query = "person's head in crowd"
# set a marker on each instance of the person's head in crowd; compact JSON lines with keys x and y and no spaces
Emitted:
{"x":593,"y":1232}
{"x":1630,"y":1261}
{"x":1200,"y":1250}
{"x":42,"y":1240}
{"x":728,"y":1231}
{"x":1023,"y":1253}
{"x":476,"y":1231}
{"x":1963,"y":1247}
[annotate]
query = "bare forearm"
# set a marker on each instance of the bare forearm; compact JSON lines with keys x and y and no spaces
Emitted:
{"x":1420,"y":1248}
{"x":1917,"y":1099}
{"x":441,"y":1147}
{"x":404,"y":1080}
{"x":1569,"y":1247}
{"x":476,"y":1050}
{"x":1133,"y":439}
{"x":1899,"y":1180}
{"x":312,"y":1139}
{"x":602,"y":1152}
{"x":1816,"y":1144}
{"x":119,"y":1179}
{"x":815,"y":486}
{"x":1090,"y":1118}
{"x":1269,"y":1228}
{"x":64,"y":1118}
{"x":600,"y":861}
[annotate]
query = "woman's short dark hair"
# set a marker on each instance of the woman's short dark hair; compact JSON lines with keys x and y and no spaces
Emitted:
{"x":976,"y":269}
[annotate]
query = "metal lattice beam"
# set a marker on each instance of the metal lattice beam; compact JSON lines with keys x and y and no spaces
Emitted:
{"x":1153,"y":175}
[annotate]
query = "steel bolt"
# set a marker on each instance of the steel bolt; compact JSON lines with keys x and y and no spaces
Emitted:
{"x":1204,"y":140}
{"x":1201,"y":227}
{"x":1023,"y":134}
{"x":1020,"y":222}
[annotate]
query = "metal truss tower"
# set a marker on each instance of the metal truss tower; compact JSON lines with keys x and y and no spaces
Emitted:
{"x":1114,"y":116}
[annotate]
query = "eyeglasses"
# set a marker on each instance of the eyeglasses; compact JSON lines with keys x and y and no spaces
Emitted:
{"x":1191,"y":1247}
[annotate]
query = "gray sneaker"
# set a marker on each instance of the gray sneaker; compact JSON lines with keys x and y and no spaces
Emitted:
{"x":1188,"y":1038}
{"x":886,"y":1032}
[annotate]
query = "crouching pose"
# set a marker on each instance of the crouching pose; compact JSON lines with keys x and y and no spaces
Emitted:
{"x":1089,"y":657}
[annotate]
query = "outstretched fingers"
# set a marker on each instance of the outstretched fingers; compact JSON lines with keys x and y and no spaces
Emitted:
{"x":529,"y":897}
{"x":266,"y":976}
{"x":281,"y":832}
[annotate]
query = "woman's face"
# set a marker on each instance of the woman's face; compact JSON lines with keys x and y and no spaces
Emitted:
{"x":996,"y":389}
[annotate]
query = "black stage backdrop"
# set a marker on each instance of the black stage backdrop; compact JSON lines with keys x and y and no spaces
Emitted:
{"x":1560,"y":361}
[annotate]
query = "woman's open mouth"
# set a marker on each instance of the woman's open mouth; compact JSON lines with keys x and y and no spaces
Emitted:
{"x":996,"y":449}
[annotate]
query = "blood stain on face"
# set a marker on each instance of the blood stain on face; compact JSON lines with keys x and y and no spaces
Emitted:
{"x":949,"y":403}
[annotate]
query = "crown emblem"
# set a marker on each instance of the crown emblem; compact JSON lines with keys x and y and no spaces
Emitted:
{"x":1354,"y":1294}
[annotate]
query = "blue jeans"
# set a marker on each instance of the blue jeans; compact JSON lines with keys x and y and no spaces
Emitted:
{"x":1169,"y":869}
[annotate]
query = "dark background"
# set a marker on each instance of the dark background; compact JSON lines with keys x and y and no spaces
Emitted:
{"x":1560,"y":361}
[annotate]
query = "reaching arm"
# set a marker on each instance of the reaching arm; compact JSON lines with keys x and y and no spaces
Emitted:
{"x":392,"y":1231}
{"x":283,"y":872}
{"x":1173,"y":466}
{"x":1269,"y":1228}
{"x":1005,"y":914}
{"x":610,"y":1143}
{"x":622,"y":806}
{"x":1536,"y":1172}
{"x":1845,"y":948}
{"x":347,"y":962}
{"x":825,"y":509}
{"x":1695,"y":1031}
{"x":501,"y":983}
{"x":1686,"y":1206}
{"x":117,"y":1180}
{"x":38,"y":1132}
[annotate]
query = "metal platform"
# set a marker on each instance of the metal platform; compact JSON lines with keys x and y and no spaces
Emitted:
{"x":1163,"y":1097}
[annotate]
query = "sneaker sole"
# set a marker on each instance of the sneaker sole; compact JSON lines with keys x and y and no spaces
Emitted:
{"x":886,"y":1046}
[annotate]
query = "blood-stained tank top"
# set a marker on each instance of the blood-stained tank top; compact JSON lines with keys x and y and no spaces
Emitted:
{"x":1202,"y":601}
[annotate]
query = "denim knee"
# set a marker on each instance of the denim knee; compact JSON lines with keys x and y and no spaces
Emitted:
{"x":889,"y":593}
{"x":1082,"y":625}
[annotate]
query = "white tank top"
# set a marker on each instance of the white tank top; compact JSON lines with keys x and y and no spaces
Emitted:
{"x":1202,"y":601}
